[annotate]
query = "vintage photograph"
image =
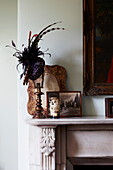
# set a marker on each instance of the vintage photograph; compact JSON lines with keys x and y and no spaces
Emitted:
{"x":109,"y":107}
{"x":53,"y":104}
{"x":70,"y":104}
{"x":64,"y":104}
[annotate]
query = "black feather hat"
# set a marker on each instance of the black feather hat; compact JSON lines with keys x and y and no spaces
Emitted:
{"x":29,"y":58}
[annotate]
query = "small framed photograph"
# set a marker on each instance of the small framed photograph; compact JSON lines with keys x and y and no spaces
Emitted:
{"x":64,"y":104}
{"x":109,"y":107}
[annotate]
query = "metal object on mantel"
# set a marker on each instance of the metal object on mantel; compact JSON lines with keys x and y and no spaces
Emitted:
{"x":38,"y":109}
{"x":54,"y":80}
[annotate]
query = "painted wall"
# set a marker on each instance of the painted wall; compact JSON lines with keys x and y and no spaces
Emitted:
{"x":66,"y":48}
{"x":8,"y":87}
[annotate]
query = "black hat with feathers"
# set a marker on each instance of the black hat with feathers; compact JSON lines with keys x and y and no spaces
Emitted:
{"x":29,"y":58}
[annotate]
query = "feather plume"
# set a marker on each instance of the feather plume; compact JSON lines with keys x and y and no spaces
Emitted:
{"x":29,"y":58}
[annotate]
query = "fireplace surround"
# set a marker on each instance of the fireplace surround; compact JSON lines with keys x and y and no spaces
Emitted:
{"x":60,"y":144}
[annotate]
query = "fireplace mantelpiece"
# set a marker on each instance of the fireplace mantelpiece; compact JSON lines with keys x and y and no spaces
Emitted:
{"x":52,"y":141}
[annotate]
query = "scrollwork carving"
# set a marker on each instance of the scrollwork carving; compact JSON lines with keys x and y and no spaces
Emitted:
{"x":48,"y":141}
{"x":48,"y":149}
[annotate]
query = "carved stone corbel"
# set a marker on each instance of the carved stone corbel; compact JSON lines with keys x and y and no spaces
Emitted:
{"x":48,"y":148}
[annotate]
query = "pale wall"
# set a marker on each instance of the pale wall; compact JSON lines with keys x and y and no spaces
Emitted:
{"x":8,"y":87}
{"x":66,"y":48}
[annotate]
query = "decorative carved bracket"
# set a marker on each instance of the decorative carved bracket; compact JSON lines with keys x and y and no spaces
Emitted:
{"x":48,"y":141}
{"x":48,"y":148}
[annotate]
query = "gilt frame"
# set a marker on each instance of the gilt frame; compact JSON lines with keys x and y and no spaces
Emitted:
{"x":90,"y":86}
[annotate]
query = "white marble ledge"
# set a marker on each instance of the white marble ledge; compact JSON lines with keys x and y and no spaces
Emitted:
{"x":70,"y":121}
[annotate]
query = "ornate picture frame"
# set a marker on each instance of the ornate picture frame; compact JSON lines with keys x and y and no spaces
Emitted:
{"x":97,"y":47}
{"x":70,"y":103}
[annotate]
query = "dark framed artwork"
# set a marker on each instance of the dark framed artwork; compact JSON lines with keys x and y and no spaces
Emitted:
{"x":69,"y":102}
{"x":98,"y":47}
{"x":109,"y":107}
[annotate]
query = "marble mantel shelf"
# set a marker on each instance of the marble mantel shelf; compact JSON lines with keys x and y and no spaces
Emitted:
{"x":70,"y":121}
{"x":49,"y":139}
